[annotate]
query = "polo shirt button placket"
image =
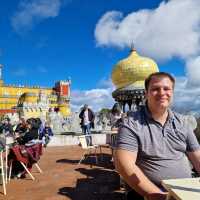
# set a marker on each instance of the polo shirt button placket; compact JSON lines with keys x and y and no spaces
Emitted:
{"x":164,"y":132}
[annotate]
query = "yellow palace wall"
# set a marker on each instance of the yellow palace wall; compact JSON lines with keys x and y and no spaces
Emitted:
{"x":9,"y":97}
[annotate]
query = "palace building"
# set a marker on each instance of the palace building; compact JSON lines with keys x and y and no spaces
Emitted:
{"x":128,"y":76}
{"x":34,"y":101}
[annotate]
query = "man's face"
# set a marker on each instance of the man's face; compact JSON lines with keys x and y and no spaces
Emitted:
{"x":160,"y":93}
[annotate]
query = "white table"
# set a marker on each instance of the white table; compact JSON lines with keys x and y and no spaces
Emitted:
{"x":183,"y":189}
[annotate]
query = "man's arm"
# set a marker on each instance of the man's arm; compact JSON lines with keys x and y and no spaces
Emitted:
{"x":81,"y":114}
{"x":125,"y":165}
{"x":193,"y":148}
{"x":194,"y":157}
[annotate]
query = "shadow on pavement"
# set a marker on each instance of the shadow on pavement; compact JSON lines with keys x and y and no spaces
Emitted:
{"x":104,"y":160}
{"x":99,"y":184}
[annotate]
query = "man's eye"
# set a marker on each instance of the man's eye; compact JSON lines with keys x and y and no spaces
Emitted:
{"x":167,"y":89}
{"x":154,"y":89}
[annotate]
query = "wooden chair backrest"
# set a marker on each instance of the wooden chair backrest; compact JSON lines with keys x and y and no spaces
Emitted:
{"x":83,"y":141}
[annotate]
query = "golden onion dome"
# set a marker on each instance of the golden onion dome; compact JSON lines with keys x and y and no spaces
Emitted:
{"x":133,"y":70}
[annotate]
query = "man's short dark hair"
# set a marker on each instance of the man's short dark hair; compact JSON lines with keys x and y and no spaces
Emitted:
{"x":158,"y":74}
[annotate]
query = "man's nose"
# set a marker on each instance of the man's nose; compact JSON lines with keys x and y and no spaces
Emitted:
{"x":161,"y":91}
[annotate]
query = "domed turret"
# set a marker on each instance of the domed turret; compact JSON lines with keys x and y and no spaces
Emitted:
{"x":133,"y":70}
{"x":30,"y":97}
{"x":128,"y":76}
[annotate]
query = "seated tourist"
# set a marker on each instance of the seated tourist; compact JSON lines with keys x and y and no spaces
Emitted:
{"x":21,"y":128}
{"x":7,"y":128}
{"x":27,"y":151}
{"x":46,"y":134}
{"x":31,"y":133}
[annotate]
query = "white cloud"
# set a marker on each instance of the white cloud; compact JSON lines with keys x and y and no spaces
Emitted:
{"x":33,"y":12}
{"x":170,"y":30}
{"x":193,"y":71}
{"x":95,"y":98}
{"x":186,"y":98}
{"x":106,"y":83}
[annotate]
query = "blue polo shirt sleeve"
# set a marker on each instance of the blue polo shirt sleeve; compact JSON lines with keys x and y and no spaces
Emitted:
{"x":127,"y":138}
{"x":192,"y":142}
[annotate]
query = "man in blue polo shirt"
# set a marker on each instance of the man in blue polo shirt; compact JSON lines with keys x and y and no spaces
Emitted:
{"x":155,"y":143}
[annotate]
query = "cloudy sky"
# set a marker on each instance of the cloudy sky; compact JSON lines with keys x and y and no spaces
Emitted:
{"x":43,"y":41}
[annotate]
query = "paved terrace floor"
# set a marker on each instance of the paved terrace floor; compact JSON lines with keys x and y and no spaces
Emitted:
{"x":63,"y":179}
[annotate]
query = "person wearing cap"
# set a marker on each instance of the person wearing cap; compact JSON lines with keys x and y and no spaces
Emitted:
{"x":87,"y":119}
{"x":155,"y":143}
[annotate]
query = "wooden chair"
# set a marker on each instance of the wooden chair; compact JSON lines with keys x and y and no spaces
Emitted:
{"x":9,"y":143}
{"x":23,"y":161}
{"x":2,"y":171}
{"x":86,"y":144}
{"x":28,"y":172}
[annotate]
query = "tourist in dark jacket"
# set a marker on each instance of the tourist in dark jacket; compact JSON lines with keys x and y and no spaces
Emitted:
{"x":31,"y":133}
{"x":21,"y":127}
{"x":87,"y":119}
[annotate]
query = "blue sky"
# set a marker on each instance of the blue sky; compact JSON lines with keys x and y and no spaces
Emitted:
{"x":43,"y":41}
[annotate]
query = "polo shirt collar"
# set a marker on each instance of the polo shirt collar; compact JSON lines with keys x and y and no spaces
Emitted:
{"x":171,"y":116}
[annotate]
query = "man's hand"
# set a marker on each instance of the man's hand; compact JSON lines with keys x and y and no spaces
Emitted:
{"x":157,"y":196}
